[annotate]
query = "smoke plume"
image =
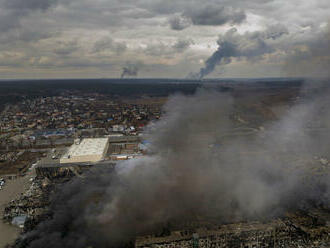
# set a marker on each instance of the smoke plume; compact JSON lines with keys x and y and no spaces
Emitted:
{"x":198,"y":167}
{"x":131,"y":69}
{"x":250,"y":45}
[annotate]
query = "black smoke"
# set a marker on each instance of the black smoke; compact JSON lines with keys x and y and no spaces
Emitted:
{"x":130,"y":69}
{"x":198,"y":167}
{"x":250,"y":45}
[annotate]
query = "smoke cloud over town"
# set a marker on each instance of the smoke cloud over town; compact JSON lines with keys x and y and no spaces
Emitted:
{"x":197,"y":168}
{"x":160,"y":124}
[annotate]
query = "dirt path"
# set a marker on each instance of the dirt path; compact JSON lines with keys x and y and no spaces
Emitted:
{"x":11,"y":190}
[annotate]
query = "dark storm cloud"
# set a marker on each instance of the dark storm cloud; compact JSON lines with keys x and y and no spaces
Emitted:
{"x":193,"y":174}
{"x":250,"y":45}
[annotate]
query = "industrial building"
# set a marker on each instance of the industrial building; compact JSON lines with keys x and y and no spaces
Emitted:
{"x":124,"y":147}
{"x":86,"y":150}
{"x":87,"y":153}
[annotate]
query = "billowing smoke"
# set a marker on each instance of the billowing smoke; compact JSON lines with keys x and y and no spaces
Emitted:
{"x":199,"y":167}
{"x":250,"y":45}
{"x":130,"y":69}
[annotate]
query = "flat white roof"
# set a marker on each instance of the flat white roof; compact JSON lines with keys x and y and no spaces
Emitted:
{"x":90,"y":146}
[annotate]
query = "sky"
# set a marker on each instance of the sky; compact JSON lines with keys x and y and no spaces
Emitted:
{"x":164,"y":38}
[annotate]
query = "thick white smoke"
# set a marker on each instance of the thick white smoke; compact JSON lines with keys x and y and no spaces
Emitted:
{"x":195,"y":170}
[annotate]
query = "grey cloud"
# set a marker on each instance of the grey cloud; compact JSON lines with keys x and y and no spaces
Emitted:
{"x":148,"y":21}
{"x":276,"y":31}
{"x":214,"y":15}
{"x":211,"y":14}
{"x":27,"y":35}
{"x":137,"y":13}
{"x":159,"y":49}
{"x":29,"y":4}
{"x":13,"y":10}
{"x":162,"y":49}
{"x":66,"y":47}
{"x":312,"y":57}
{"x":182,"y":45}
{"x":8,"y":21}
{"x":107,"y":43}
{"x":8,"y":58}
{"x":178,"y":22}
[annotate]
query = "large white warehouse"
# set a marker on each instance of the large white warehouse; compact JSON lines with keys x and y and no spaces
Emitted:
{"x":86,"y":150}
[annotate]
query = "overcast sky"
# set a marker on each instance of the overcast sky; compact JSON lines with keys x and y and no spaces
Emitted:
{"x":163,"y":38}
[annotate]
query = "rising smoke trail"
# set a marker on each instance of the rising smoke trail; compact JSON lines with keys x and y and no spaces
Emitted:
{"x":192,"y":172}
{"x":130,"y":70}
{"x":249,"y":45}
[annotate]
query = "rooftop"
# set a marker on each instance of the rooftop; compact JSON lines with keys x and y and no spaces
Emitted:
{"x":88,"y":146}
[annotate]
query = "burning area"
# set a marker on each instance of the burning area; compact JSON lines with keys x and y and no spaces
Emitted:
{"x":194,"y":171}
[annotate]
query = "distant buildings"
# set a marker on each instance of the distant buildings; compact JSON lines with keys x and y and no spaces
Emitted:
{"x":46,"y":122}
{"x":86,"y":153}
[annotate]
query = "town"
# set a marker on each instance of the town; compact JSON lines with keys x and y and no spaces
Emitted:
{"x":35,"y":134}
{"x":48,"y":141}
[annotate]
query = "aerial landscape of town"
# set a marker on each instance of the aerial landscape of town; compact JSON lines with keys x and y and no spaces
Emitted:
{"x":70,"y":137}
{"x":164,"y":124}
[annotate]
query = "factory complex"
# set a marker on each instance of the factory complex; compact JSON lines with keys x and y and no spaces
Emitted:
{"x":88,"y":152}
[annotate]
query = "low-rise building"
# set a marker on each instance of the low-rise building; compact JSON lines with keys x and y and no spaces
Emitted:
{"x":86,"y":150}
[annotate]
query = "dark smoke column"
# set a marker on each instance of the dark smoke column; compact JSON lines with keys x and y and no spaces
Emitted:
{"x":221,"y":56}
{"x":130,"y":70}
{"x":250,"y":45}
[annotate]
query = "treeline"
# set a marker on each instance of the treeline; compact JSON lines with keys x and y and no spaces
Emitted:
{"x":34,"y":88}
